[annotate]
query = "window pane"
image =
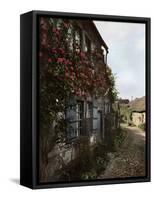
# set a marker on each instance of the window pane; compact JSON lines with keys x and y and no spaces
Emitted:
{"x":77,"y":39}
{"x":87,"y":45}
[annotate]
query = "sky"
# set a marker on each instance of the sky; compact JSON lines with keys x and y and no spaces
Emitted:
{"x":126,"y":58}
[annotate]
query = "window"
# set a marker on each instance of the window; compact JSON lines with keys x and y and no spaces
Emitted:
{"x":92,"y":56}
{"x":89,"y":110}
{"x":80,"y":119}
{"x":75,"y":115}
{"x":77,"y":39}
{"x":89,"y":118}
{"x":70,"y":37}
{"x":71,"y":117}
{"x":102,"y":53}
{"x":95,"y":119}
{"x":87,"y":45}
{"x":107,"y":107}
{"x":80,"y":116}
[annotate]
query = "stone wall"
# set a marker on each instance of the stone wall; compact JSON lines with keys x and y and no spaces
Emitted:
{"x":138,"y":118}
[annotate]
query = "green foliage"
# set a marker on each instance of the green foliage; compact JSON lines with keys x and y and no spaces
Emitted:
{"x":91,"y":161}
{"x":126,"y":114}
{"x":89,"y":175}
{"x":142,"y":126}
{"x":100,"y":157}
{"x":119,"y":138}
{"x":112,"y":87}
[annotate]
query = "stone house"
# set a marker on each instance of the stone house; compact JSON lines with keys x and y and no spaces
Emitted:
{"x":138,"y":118}
{"x":87,"y":118}
{"x":93,"y":118}
{"x":138,"y":111}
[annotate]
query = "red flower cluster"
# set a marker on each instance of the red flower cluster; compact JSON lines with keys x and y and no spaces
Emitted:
{"x":60,"y":60}
{"x":56,"y":31}
{"x":53,"y":50}
{"x":72,"y":68}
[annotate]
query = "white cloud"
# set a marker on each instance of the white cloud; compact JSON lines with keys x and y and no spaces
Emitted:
{"x":126,"y":42}
{"x":141,"y":44}
{"x":119,"y":30}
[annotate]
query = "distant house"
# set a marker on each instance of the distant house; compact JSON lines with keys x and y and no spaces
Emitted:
{"x":138,"y":111}
{"x":138,"y":117}
{"x":124,"y":110}
{"x":123,"y":101}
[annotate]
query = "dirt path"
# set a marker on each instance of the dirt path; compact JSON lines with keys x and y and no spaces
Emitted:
{"x":129,"y":160}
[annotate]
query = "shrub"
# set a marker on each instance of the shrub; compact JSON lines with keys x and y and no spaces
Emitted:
{"x":91,"y":161}
{"x":89,"y":175}
{"x":119,"y":138}
{"x":100,"y":158}
{"x":142,"y":126}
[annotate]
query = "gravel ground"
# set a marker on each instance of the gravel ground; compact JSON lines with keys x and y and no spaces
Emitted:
{"x":129,"y":160}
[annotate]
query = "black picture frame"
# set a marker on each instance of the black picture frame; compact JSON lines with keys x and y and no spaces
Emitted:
{"x":29,"y":108}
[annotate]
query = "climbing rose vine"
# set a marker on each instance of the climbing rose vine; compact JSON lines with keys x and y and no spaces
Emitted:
{"x":72,"y":68}
{"x":65,"y":71}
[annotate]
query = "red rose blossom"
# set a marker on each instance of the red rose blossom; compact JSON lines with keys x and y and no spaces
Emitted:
{"x":53,"y":50}
{"x":49,"y":60}
{"x":60,"y":60}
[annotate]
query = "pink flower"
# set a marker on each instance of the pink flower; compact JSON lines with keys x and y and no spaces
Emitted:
{"x":66,"y":68}
{"x":56,"y":31}
{"x":53,"y":50}
{"x":71,"y":68}
{"x":82,"y":55}
{"x":67,"y":62}
{"x":43,"y":42}
{"x":72,"y":77}
{"x":49,"y":60}
{"x":49,"y":46}
{"x":44,"y":35}
{"x":66,"y":74}
{"x":60,"y":60}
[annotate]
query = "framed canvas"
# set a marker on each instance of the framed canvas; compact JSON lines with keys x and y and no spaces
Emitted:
{"x":85,"y":99}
